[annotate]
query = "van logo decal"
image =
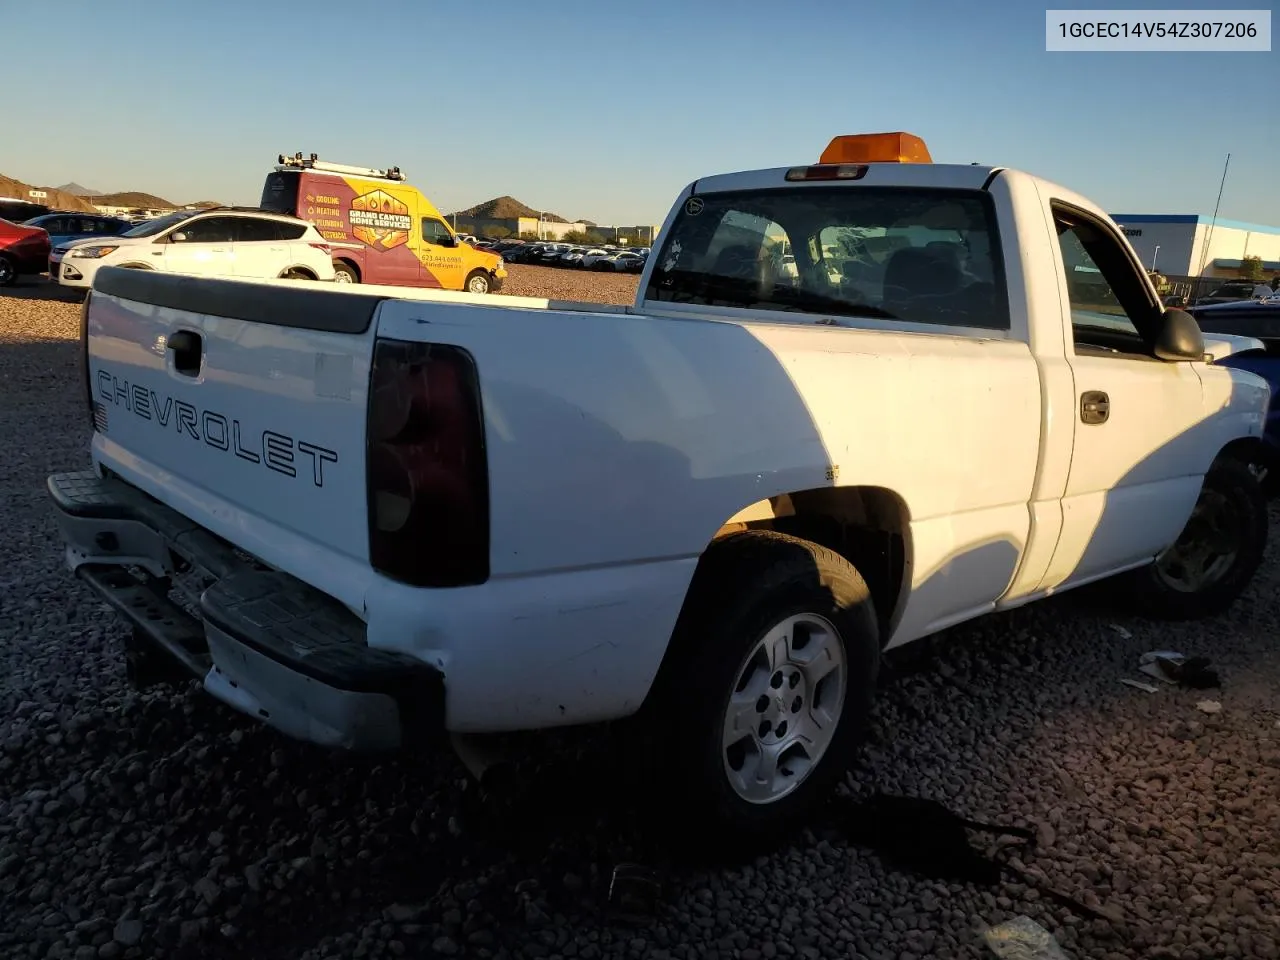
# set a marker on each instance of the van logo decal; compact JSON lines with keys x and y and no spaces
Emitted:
{"x":380,"y":220}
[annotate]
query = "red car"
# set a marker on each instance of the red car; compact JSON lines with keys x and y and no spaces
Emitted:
{"x":22,"y":250}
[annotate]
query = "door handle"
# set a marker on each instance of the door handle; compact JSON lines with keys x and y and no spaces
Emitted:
{"x":1095,"y":406}
{"x":217,"y":249}
{"x":187,"y":348}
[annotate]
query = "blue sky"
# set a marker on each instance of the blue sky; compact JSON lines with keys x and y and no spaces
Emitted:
{"x":605,"y":109}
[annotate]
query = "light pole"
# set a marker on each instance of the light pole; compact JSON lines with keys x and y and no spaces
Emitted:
{"x":1154,"y":255}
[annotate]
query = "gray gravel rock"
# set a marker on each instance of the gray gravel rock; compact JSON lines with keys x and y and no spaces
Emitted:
{"x":161,"y":824}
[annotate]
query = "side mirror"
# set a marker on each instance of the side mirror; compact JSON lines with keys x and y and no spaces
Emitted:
{"x":1180,"y":337}
{"x":178,"y":237}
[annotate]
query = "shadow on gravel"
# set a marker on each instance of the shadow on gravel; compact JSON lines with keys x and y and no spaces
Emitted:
{"x":42,"y":289}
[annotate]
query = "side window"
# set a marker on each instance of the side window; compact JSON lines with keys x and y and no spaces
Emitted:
{"x":90,"y":225}
{"x":433,"y":231}
{"x":1111,"y":310}
{"x":920,"y":256}
{"x":206,"y":230}
{"x":253,"y":230}
{"x":57,"y":225}
{"x":291,"y":231}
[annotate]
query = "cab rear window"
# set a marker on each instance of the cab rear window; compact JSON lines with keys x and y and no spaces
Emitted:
{"x":915,"y":255}
{"x":280,"y":193}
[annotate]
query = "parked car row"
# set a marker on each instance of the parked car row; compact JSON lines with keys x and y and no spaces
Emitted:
{"x":25,"y":246}
{"x":221,"y":241}
{"x":1234,"y":291}
{"x":603,"y":259}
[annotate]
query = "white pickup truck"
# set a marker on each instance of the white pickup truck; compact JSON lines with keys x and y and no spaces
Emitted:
{"x":368,"y":515}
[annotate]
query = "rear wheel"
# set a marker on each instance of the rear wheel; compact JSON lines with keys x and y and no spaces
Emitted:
{"x":8,"y":271}
{"x":765,"y":692}
{"x":1217,"y":554}
{"x":296,"y":275}
{"x":345,"y":273}
{"x":477,"y":282}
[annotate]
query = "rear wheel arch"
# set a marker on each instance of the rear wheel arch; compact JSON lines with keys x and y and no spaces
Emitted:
{"x":869,"y":526}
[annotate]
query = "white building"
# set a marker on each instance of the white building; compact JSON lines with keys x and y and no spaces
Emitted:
{"x":1189,"y":245}
{"x":109,"y":210}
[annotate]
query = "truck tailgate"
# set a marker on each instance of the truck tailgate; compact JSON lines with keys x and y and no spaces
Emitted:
{"x":254,"y":393}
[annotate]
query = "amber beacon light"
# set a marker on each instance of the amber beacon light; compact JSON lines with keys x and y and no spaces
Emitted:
{"x":876,"y":148}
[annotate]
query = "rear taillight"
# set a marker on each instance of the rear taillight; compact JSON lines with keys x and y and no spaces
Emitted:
{"x":428,"y":478}
{"x":84,"y":353}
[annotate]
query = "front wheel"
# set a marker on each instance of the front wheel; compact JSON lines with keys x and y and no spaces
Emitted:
{"x":477,"y":282}
{"x":766,"y":689}
{"x":8,"y":271}
{"x":1216,"y":555}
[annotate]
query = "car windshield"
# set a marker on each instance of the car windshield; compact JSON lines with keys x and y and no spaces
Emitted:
{"x":160,"y":224}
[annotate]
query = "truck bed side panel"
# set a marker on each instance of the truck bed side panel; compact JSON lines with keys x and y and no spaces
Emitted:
{"x":619,"y":439}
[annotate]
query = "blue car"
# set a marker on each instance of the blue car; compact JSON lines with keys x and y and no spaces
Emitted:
{"x":65,"y":227}
{"x":1259,"y":319}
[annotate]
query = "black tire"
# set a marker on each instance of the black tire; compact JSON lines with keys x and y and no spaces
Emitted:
{"x":1231,"y":510}
{"x":345,"y":273}
{"x":8,"y":271}
{"x":294,"y":274}
{"x":476,"y":279}
{"x":745,"y":585}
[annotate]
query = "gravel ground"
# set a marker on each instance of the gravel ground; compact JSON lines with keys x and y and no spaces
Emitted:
{"x":163,"y":825}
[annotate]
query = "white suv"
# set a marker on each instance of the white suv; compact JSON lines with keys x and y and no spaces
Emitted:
{"x":221,"y":242}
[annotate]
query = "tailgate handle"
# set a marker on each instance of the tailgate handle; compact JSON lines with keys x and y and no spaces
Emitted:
{"x":185,"y":345}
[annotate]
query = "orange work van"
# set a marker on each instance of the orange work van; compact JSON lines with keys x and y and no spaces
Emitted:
{"x":382,"y":229}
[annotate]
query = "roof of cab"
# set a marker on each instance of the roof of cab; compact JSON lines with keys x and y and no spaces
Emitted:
{"x":955,"y":176}
{"x":890,"y":159}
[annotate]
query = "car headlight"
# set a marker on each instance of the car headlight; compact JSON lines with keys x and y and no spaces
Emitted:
{"x":91,"y":253}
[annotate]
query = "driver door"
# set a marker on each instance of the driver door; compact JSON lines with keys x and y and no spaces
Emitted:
{"x":204,"y":247}
{"x":1134,"y":475}
{"x":441,"y":256}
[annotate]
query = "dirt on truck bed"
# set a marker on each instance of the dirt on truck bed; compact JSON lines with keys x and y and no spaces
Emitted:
{"x":162,"y":824}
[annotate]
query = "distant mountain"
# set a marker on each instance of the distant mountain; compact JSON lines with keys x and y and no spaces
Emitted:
{"x":75,"y":189}
{"x":57,"y":198}
{"x":206,"y":203}
{"x":506,"y":208}
{"x":132,"y":198}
